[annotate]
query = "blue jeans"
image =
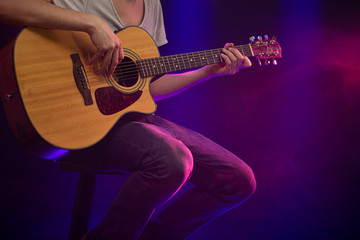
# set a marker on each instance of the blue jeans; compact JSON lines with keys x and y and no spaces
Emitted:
{"x":160,"y":157}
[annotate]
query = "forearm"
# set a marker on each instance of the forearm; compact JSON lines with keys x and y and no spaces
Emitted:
{"x":173,"y":84}
{"x":42,"y":13}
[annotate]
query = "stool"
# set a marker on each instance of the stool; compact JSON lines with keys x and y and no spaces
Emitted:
{"x":84,"y":194}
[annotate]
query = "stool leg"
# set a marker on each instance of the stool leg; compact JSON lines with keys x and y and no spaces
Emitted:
{"x":82,"y":205}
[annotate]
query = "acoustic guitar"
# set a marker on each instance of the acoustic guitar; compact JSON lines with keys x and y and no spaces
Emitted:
{"x":52,"y":96}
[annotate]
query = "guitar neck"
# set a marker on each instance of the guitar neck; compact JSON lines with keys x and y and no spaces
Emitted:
{"x":161,"y":65}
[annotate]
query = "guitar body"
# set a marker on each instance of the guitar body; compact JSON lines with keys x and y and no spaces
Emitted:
{"x":54,"y":100}
{"x":67,"y":104}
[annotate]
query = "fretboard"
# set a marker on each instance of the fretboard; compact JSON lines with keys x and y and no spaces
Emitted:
{"x":161,"y":65}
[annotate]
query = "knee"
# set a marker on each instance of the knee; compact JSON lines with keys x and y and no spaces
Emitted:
{"x":241,"y":185}
{"x":249,"y":183}
{"x":245,"y":183}
{"x":173,"y":165}
{"x":178,"y":162}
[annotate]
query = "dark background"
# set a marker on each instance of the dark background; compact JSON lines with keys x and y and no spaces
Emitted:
{"x":296,"y":124}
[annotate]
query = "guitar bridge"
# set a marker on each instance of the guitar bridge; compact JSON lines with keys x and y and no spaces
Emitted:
{"x":81,"y":80}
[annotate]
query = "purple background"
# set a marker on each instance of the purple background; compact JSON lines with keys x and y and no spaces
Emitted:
{"x":296,"y":124}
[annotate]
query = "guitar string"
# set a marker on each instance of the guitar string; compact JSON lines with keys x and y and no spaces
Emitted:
{"x":178,"y":62}
{"x":177,"y":58}
{"x":125,"y":77}
{"x":194,"y":61}
{"x":148,"y":71}
{"x":208,"y":53}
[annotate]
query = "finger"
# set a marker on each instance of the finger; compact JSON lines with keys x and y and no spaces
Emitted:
{"x":233,"y":64}
{"x":105,"y":63}
{"x":97,"y":56}
{"x":95,"y":59}
{"x":113,"y":63}
{"x":121,"y":53}
{"x":247,"y":62}
{"x":231,"y":54}
{"x":228,"y":45}
{"x":227,"y":63}
{"x":237,"y":54}
{"x":117,"y":57}
{"x":239,"y":58}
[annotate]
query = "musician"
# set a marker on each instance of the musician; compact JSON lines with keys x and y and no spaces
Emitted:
{"x":160,"y":156}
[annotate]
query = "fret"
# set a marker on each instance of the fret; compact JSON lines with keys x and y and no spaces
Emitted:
{"x":147,"y":67}
{"x":212,"y":56}
{"x":193,"y":60}
{"x":168,"y":64}
{"x":242,"y":50}
{"x":213,"y":53}
{"x":217,"y":56}
{"x":171,"y":63}
{"x":249,"y":50}
{"x":206,"y":57}
{"x":153,"y":66}
{"x":202,"y":59}
{"x":197,"y":59}
{"x":245,"y":50}
{"x":183,"y":61}
{"x":158,"y":65}
{"x":144,"y":67}
{"x":162,"y":66}
{"x":176,"y":62}
{"x":145,"y":71}
{"x":140,"y":68}
{"x":187,"y":61}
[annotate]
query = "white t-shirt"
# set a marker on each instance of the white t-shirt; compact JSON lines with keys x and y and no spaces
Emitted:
{"x":152,"y":22}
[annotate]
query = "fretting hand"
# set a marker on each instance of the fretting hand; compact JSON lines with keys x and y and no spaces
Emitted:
{"x":232,"y":62}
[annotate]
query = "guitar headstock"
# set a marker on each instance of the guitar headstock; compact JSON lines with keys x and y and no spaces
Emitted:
{"x":265,"y":49}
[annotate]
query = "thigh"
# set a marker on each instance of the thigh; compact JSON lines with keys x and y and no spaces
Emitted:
{"x":214,"y":166}
{"x":128,"y":147}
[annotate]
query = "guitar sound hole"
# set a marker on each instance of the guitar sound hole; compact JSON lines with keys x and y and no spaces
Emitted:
{"x":126,"y":73}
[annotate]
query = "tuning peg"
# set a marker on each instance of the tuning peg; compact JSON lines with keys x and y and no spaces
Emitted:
{"x":259,"y":38}
{"x":259,"y":61}
{"x":274,"y":62}
{"x":266,"y":37}
{"x":252,"y":38}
